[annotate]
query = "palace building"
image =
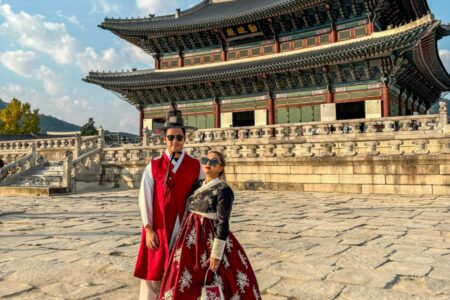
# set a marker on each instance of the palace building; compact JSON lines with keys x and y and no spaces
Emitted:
{"x":258,"y":62}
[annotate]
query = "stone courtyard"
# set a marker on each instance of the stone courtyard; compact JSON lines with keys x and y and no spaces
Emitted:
{"x":302,"y":245}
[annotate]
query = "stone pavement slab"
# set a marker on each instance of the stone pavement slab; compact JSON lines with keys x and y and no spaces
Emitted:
{"x":301,"y":245}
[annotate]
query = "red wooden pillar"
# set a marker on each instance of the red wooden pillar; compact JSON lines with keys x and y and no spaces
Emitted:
{"x":386,"y":101}
{"x":330,"y":95}
{"x":271,"y":109}
{"x":224,"y":55}
{"x":400,"y":104}
{"x":333,"y":35}
{"x":370,"y":27}
{"x":277,"y":46}
{"x":216,"y":113}
{"x":141,"y":121}
{"x":180,"y":59}
{"x":157,"y":62}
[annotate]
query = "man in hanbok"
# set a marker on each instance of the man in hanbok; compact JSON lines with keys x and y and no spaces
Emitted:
{"x":166,"y":184}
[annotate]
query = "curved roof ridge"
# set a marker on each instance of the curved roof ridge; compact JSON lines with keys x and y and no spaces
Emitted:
{"x":313,"y":56}
{"x":207,"y":11}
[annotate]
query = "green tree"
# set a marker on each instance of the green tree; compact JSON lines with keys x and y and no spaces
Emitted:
{"x":89,"y":128}
{"x":17,"y":118}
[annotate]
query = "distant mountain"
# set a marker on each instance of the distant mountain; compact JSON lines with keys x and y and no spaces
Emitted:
{"x":49,"y":123}
{"x":2,"y":104}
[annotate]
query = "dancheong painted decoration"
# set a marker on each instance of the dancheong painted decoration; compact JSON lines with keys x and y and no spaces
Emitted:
{"x":259,"y":62}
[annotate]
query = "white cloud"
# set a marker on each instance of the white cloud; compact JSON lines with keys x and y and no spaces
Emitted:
{"x":10,"y":89}
{"x":105,"y":7}
{"x":76,"y":109}
{"x":89,"y":60}
{"x":19,"y":62}
{"x":135,"y":55}
{"x":159,"y":6}
{"x":36,"y":33}
{"x":71,"y":19}
{"x":445,"y":57}
{"x":49,"y":79}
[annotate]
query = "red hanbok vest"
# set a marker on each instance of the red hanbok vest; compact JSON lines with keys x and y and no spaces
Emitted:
{"x":168,"y":203}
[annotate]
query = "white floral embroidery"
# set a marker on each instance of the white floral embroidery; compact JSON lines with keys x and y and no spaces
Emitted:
{"x":190,"y":241}
{"x":185,"y":280}
{"x":243,"y":259}
{"x":177,"y":256}
{"x":168,"y":295}
{"x":226,"y":263}
{"x":242,"y":281}
{"x":256,"y":294}
{"x":218,"y":281}
{"x":229,"y":244}
{"x":204,"y":260}
{"x":236,"y":297}
{"x":210,"y":240}
{"x":212,"y":296}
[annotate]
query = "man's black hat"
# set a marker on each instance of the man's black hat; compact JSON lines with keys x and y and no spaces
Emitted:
{"x":174,"y":118}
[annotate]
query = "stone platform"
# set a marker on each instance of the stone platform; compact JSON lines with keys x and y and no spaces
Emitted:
{"x":302,"y":245}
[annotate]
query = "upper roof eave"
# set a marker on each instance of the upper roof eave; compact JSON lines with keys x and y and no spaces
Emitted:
{"x":371,"y":46}
{"x":211,"y":14}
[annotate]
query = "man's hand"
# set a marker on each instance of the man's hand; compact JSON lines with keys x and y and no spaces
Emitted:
{"x":214,"y":264}
{"x":151,"y":239}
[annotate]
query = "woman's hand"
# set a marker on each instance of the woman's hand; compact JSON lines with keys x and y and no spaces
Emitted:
{"x":151,"y":239}
{"x":214,"y":264}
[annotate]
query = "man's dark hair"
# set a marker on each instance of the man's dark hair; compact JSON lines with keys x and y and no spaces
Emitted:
{"x":183,"y":129}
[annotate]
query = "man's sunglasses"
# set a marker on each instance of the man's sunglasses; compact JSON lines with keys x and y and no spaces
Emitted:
{"x":212,"y":162}
{"x":171,"y":137}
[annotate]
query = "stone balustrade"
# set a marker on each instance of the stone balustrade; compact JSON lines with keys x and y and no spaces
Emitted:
{"x":25,"y":146}
{"x":15,"y":168}
{"x":335,"y":129}
{"x":406,"y":154}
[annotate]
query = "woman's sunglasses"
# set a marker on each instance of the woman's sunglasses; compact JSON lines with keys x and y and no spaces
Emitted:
{"x":171,"y":137}
{"x":212,"y":162}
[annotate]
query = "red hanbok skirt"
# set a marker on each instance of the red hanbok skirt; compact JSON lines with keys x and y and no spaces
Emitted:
{"x":184,"y":276}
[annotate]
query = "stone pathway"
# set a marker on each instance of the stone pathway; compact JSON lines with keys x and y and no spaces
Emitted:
{"x":302,"y":245}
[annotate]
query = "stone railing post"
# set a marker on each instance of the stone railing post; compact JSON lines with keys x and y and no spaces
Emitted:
{"x":218,"y":135}
{"x":421,"y":147}
{"x":101,"y":138}
{"x":328,"y":149}
{"x":395,"y":147}
{"x":288,"y":150}
{"x":67,"y":164}
{"x":145,"y":137}
{"x":308,"y":149}
{"x":349,"y":148}
{"x":443,"y":117}
{"x":77,"y":147}
{"x":230,"y":134}
{"x":34,"y":155}
{"x":372,"y":145}
{"x":252,"y":151}
{"x":445,"y":146}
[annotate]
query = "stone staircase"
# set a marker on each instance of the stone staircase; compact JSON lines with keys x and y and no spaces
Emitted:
{"x":50,"y":174}
{"x":42,"y":179}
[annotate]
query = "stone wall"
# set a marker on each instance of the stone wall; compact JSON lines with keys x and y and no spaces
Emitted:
{"x":404,"y":155}
{"x":410,"y":174}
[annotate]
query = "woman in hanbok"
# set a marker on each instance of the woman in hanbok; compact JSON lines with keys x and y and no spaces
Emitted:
{"x":206,"y":244}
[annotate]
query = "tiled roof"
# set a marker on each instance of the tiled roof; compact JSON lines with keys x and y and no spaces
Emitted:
{"x":378,"y":43}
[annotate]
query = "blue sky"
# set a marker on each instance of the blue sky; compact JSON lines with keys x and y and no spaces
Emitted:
{"x":47,"y":46}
